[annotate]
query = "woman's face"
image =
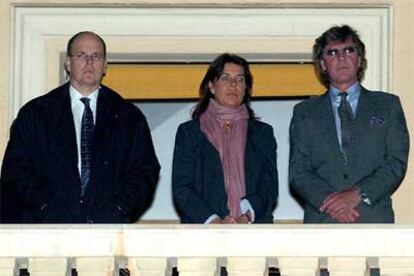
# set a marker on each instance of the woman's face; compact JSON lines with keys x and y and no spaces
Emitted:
{"x":229,"y":88}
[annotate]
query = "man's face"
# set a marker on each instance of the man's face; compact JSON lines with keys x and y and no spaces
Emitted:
{"x":87,"y":64}
{"x":341,"y":61}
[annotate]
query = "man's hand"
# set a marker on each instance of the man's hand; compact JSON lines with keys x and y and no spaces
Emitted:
{"x":342,"y":205}
{"x":347,"y":216}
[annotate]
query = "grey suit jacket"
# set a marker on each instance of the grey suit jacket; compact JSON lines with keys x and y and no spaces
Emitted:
{"x":377,"y":165}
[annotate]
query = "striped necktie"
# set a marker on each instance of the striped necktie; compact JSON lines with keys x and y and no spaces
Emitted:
{"x":86,"y":144}
{"x":346,"y":118}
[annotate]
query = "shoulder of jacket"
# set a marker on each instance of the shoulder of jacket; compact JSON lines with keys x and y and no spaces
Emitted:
{"x":190,"y":125}
{"x":260,"y":125}
{"x":48,"y":100}
{"x":309,"y":104}
{"x":381,"y":95}
{"x":122,"y":106}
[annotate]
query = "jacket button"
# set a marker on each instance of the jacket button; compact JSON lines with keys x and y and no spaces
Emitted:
{"x":89,"y":221}
{"x":345,"y":176}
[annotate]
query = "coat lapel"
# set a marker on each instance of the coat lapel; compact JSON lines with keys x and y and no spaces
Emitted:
{"x":66,"y":158}
{"x":65,"y":128}
{"x":324,"y":117}
{"x":250,"y":161}
{"x":103,"y":140}
{"x":105,"y":117}
{"x":365,"y":109}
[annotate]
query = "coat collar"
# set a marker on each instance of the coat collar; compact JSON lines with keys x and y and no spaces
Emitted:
{"x":364,"y":112}
{"x":59,"y":103}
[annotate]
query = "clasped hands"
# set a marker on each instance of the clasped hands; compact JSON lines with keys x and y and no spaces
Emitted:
{"x":342,"y":205}
{"x":243,"y":219}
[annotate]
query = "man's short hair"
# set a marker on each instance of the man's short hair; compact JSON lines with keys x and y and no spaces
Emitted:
{"x":80,"y":34}
{"x":338,"y":34}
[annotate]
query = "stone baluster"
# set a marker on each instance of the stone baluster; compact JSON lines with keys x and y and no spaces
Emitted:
{"x":372,"y":267}
{"x":47,"y":266}
{"x":147,"y":266}
{"x":298,"y":266}
{"x":7,"y":266}
{"x":347,"y":266}
{"x":199,"y":266}
{"x":396,"y":266}
{"x":240,"y":266}
{"x":95,"y":266}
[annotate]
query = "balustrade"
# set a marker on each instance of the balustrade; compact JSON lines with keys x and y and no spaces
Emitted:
{"x":207,"y":250}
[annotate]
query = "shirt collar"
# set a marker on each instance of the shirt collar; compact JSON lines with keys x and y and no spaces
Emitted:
{"x":75,"y":95}
{"x":353,"y":93}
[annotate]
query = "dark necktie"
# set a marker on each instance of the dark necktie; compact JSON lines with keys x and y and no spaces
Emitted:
{"x":86,"y":144}
{"x":346,"y":118}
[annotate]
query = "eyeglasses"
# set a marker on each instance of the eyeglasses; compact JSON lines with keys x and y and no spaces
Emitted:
{"x":346,"y":51}
{"x":238,"y":80}
{"x":83,"y":57}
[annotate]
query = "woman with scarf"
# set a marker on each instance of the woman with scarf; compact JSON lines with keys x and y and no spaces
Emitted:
{"x":224,"y":167}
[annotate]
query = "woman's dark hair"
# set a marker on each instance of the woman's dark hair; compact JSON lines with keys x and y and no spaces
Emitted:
{"x":338,"y":34}
{"x":215,"y":70}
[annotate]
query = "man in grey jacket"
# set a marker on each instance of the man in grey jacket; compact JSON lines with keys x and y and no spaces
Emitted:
{"x":349,"y":147}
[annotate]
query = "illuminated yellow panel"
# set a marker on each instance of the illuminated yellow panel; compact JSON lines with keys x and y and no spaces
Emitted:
{"x":181,"y":81}
{"x":272,"y":80}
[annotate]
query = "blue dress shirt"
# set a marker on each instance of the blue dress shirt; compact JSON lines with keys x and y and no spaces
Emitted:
{"x":353,"y":96}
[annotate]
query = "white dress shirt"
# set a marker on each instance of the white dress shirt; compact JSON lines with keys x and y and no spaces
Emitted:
{"x":77,"y":111}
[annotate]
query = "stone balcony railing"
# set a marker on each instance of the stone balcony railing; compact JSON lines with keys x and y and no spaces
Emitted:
{"x":153,"y":249}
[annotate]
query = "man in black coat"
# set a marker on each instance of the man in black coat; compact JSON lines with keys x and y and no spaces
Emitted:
{"x":80,"y":153}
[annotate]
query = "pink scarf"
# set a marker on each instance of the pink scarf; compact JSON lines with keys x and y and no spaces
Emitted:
{"x":226,"y":129}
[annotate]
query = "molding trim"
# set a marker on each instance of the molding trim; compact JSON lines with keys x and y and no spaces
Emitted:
{"x":39,"y":35}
